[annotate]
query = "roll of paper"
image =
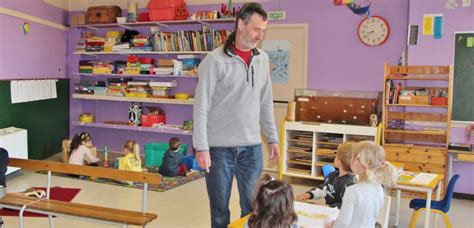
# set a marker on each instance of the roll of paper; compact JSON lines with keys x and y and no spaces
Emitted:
{"x":290,"y":115}
{"x":132,"y":11}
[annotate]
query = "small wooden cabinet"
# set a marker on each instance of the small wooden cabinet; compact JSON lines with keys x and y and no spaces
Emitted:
{"x":308,"y":146}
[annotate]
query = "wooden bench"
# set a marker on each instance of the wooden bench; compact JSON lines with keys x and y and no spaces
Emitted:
{"x":82,"y":211}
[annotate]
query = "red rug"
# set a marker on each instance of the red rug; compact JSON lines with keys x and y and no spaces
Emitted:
{"x":57,"y":193}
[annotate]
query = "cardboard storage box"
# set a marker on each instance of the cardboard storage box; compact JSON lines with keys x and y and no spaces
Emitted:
{"x":415,"y":100}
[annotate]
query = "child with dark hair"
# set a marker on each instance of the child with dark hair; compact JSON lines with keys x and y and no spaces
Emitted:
{"x":171,"y":165}
{"x":272,"y":204}
{"x":3,"y":170}
{"x":80,"y":150}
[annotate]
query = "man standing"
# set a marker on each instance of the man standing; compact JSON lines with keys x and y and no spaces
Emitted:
{"x":233,"y":102}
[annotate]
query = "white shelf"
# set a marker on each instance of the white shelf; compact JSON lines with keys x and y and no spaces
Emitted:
{"x":155,"y":23}
{"x":316,"y":131}
{"x":133,"y":128}
{"x":132,"y":99}
{"x":140,"y":53}
{"x":135,"y":75}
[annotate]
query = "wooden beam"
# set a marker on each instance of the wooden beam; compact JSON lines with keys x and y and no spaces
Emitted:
{"x":59,"y":167}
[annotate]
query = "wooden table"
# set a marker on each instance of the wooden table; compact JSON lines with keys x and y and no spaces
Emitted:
{"x":404,"y":183}
{"x":309,"y":215}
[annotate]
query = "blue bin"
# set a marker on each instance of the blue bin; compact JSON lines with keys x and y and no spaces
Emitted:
{"x":190,"y":163}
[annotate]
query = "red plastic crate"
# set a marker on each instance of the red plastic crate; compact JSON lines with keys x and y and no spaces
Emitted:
{"x":439,"y":101}
{"x":163,"y":10}
{"x":164,"y":3}
{"x":148,"y":119}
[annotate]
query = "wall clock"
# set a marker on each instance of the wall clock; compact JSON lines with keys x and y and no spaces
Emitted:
{"x":373,"y":31}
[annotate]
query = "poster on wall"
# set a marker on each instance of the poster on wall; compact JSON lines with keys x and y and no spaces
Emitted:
{"x":412,"y":35}
{"x":279,"y":54}
{"x":433,"y":25}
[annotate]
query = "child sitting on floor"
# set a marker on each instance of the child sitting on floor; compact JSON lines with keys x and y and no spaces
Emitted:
{"x":362,"y":201}
{"x":80,"y":150}
{"x":272,"y":204}
{"x":172,"y":165}
{"x":131,"y":161}
{"x":334,"y":186}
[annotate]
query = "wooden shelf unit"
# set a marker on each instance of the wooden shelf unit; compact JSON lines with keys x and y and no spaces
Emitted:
{"x":300,"y":140}
{"x":417,"y":135}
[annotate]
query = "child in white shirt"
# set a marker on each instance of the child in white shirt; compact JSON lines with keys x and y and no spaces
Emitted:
{"x":80,"y":150}
{"x":362,"y":201}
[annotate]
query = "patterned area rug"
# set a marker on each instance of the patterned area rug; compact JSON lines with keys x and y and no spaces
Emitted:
{"x":167,"y":183}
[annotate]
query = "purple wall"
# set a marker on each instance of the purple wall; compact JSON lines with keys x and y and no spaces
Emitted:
{"x":39,"y":53}
{"x":430,"y":51}
{"x":337,"y":60}
{"x":459,"y":19}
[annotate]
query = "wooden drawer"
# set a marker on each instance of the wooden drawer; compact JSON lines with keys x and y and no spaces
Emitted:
{"x":415,"y":155}
{"x":423,"y":167}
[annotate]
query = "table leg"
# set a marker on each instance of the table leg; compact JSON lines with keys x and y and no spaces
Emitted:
{"x":397,"y":209}
{"x":438,"y":196}
{"x":450,"y":165}
{"x":428,"y":208}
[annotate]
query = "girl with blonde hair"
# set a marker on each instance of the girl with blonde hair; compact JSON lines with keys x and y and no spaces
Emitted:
{"x":362,"y":201}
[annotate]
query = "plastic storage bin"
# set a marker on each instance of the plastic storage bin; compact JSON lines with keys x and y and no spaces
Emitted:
{"x":190,"y":163}
{"x":163,"y":10}
{"x":154,"y":153}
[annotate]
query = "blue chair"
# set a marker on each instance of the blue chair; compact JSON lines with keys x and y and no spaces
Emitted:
{"x":440,"y":207}
{"x":327,"y":169}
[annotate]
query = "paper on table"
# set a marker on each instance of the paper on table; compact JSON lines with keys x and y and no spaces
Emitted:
{"x":311,"y":215}
{"x":423,"y":178}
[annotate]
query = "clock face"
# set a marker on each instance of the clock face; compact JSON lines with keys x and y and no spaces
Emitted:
{"x":373,"y":31}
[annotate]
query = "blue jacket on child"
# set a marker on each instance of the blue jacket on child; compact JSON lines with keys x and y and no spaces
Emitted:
{"x":170,"y":164}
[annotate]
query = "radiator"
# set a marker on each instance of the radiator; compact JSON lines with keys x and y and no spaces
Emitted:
{"x":15,"y":141}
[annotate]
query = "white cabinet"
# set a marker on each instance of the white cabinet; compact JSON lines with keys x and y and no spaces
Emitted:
{"x":15,"y":141}
{"x":308,"y":146}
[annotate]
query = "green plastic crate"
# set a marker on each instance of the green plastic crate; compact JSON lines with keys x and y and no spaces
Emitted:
{"x":154,"y":153}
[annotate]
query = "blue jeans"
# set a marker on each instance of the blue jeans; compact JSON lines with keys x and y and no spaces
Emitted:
{"x":246,"y":163}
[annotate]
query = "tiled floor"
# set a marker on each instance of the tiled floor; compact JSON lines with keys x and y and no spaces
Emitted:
{"x":185,"y":206}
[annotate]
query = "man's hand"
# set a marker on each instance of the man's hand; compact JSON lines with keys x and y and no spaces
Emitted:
{"x":274,"y":151}
{"x":204,"y":159}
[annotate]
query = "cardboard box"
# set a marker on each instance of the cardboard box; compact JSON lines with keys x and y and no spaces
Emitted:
{"x":415,"y":100}
{"x":165,"y":62}
{"x":78,"y":19}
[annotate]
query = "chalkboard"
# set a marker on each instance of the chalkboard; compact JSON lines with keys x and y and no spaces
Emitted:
{"x":47,"y":121}
{"x":463,"y":99}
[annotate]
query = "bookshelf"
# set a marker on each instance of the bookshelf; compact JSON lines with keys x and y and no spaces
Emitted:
{"x":132,"y":99}
{"x":155,"y":23}
{"x":417,"y":133}
{"x":111,"y":112}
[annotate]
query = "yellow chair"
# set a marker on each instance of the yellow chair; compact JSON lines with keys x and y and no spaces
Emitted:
{"x":239,"y":223}
{"x":439,"y":207}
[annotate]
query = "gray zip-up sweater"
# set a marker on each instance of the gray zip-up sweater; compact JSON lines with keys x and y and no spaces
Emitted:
{"x":233,"y":101}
